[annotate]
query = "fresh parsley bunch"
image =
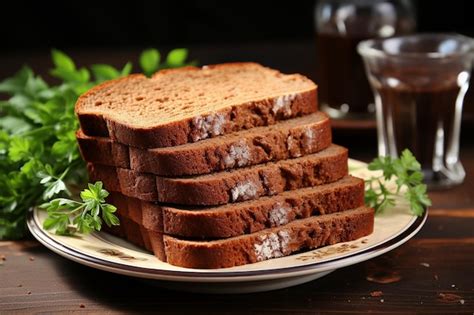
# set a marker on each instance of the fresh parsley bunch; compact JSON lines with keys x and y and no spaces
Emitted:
{"x":39,"y":156}
{"x":409,"y":183}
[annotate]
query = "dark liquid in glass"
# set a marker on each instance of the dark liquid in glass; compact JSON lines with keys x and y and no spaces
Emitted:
{"x":342,"y":78}
{"x":421,"y":120}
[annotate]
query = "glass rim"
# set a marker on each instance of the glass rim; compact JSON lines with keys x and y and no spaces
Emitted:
{"x":366,"y":47}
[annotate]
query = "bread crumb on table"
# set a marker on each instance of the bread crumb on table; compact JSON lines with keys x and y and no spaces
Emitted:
{"x":376,"y":293}
{"x":449,"y":297}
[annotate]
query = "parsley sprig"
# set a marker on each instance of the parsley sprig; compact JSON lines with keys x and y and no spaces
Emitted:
{"x":66,"y":216}
{"x":39,"y":156}
{"x":409,"y":184}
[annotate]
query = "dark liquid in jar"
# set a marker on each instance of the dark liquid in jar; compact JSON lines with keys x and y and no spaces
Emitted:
{"x":342,"y":78}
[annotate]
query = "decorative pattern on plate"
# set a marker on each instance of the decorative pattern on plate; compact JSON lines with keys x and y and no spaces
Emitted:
{"x":119,"y":254}
{"x":324,"y":252}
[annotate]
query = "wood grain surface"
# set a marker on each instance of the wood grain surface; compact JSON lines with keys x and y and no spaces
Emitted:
{"x":431,"y":274}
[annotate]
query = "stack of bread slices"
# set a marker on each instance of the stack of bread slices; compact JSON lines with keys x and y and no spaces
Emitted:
{"x":220,"y":166}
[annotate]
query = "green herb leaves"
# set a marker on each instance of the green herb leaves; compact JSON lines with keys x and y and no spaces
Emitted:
{"x":39,"y":156}
{"x":66,"y":69}
{"x":176,"y":57}
{"x":150,"y":60}
{"x":66,"y":216}
{"x":103,"y":72}
{"x":409,"y":183}
{"x":62,"y":61}
{"x":31,"y":170}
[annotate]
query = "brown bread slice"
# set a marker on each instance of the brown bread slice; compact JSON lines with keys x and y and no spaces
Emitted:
{"x":303,"y":234}
{"x":242,"y":184}
{"x":243,"y":217}
{"x":286,"y":139}
{"x":103,"y":150}
{"x":189,"y":104}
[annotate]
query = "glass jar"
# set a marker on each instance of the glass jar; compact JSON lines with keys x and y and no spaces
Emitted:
{"x":344,"y":91}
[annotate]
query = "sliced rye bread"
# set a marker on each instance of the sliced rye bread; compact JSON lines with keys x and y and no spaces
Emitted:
{"x":189,"y":104}
{"x":244,"y":217}
{"x":237,"y":185}
{"x":303,"y":234}
{"x":287,"y":139}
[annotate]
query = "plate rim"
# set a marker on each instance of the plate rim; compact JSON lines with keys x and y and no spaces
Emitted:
{"x":180,"y":275}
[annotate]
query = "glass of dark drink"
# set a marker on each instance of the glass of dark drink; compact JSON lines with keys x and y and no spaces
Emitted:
{"x":419,"y":83}
{"x":344,"y":92}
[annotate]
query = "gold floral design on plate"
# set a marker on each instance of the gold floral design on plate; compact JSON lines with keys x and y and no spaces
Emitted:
{"x":328,"y":251}
{"x":119,"y":254}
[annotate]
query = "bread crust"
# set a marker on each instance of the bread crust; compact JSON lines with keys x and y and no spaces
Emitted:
{"x":245,"y":217}
{"x":303,"y":234}
{"x":290,"y":139}
{"x":242,"y":184}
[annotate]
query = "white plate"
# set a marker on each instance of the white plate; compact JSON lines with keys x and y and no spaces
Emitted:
{"x":106,"y":252}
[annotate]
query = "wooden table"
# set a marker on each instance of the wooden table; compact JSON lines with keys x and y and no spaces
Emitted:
{"x":432,"y":273}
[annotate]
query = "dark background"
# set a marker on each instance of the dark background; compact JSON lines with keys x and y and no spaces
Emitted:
{"x":278,"y":34}
{"x":40,"y":25}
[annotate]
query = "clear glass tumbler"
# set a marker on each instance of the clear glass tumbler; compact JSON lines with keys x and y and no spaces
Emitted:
{"x":419,"y":83}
